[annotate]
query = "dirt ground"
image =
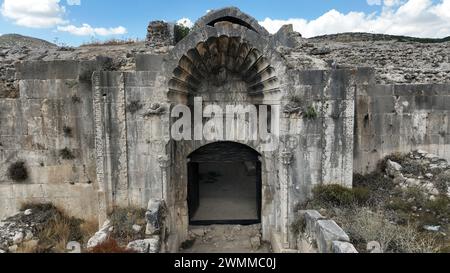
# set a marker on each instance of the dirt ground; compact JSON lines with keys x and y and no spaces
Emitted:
{"x":226,"y":239}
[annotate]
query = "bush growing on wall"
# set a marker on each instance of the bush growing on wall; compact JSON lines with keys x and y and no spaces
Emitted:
{"x":18,"y":171}
{"x":180,"y":32}
{"x":66,"y":154}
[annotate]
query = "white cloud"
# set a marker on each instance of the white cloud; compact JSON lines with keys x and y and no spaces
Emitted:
{"x":419,"y":18}
{"x":34,"y":13}
{"x":185,"y":22}
{"x":442,"y":10}
{"x":74,"y":2}
{"x":87,"y":30}
{"x":50,"y":14}
{"x":374,"y":2}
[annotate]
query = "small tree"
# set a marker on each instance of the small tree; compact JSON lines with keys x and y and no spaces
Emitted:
{"x":180,"y":32}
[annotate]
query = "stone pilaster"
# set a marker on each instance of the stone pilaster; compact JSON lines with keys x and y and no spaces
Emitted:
{"x":286,"y":158}
{"x":103,"y":191}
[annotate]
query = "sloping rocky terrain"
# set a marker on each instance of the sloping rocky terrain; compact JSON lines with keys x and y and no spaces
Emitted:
{"x":402,"y":207}
{"x":396,"y":59}
{"x":16,"y":48}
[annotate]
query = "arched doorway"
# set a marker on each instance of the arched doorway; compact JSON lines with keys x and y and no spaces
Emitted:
{"x":224,"y":185}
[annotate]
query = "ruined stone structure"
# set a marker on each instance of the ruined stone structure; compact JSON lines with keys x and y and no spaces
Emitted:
{"x":92,"y":139}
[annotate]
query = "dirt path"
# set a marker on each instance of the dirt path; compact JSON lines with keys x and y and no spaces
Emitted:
{"x":226,"y":239}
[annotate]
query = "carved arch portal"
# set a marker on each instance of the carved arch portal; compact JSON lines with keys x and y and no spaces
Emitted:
{"x":218,"y":58}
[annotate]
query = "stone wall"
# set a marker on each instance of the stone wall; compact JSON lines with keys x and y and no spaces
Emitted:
{"x":131,"y":137}
{"x":321,"y":235}
{"x":159,"y":33}
{"x":324,"y":151}
{"x":400,"y":118}
{"x":53,"y":112}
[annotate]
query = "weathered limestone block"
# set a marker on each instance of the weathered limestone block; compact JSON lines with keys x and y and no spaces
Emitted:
{"x":328,"y":231}
{"x":311,"y":217}
{"x":151,"y":245}
{"x":343,"y":247}
{"x":155,"y":216}
{"x":393,"y":168}
{"x":101,"y":236}
{"x":159,"y":34}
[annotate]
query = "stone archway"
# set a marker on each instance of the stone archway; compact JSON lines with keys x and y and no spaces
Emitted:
{"x":225,"y":63}
{"x":224,"y":185}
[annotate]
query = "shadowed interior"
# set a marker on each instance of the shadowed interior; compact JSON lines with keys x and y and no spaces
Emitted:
{"x":224,"y":184}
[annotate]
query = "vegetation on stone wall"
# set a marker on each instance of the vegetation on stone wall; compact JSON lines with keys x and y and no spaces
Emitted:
{"x":71,"y":83}
{"x":180,"y":32}
{"x":76,"y":99}
{"x":298,"y":226}
{"x":134,"y":106}
{"x":66,"y":154}
{"x":310,"y":113}
{"x":68,"y":132}
{"x":18,"y":172}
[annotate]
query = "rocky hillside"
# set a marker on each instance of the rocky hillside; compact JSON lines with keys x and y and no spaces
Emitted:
{"x":16,"y":48}
{"x":396,"y":59}
{"x":16,"y":40}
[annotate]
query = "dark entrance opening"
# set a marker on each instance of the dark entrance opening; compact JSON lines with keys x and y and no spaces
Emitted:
{"x":224,"y":185}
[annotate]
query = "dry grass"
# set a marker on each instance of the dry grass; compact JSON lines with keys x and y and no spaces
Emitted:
{"x":123,"y":219}
{"x":394,"y":217}
{"x":111,"y":42}
{"x":365,"y":225}
{"x":55,"y":228}
{"x":110,"y":246}
{"x":88,"y":229}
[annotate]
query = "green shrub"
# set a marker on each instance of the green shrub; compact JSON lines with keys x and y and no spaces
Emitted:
{"x":439,"y":206}
{"x":409,"y":198}
{"x":180,"y":32}
{"x":336,"y":195}
{"x":442,"y":181}
{"x":409,"y":166}
{"x":413,"y":167}
{"x":374,"y":181}
{"x":18,"y":171}
{"x":310,"y":113}
{"x":395,"y":157}
{"x":299,"y":225}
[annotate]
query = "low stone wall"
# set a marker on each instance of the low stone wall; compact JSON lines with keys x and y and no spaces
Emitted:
{"x":322,"y":235}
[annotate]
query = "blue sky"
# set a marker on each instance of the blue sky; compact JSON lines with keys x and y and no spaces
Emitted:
{"x":76,"y":21}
